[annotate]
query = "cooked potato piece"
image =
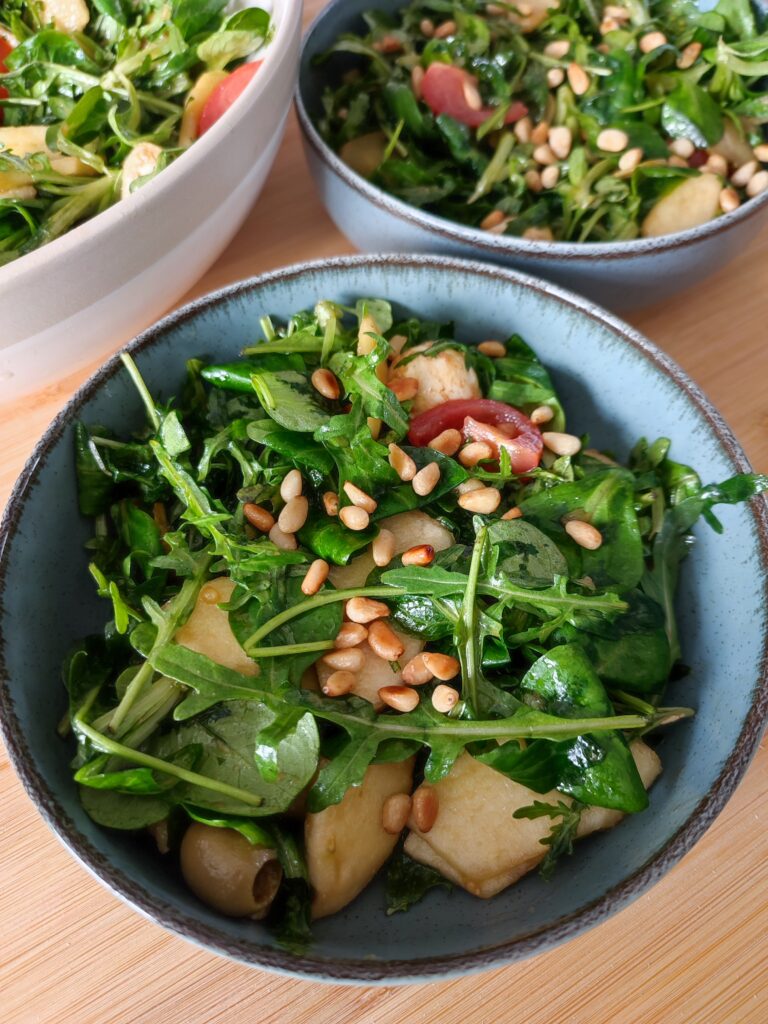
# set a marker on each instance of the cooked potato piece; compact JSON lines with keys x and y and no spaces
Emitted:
{"x":376,"y":672}
{"x":365,"y":153}
{"x":346,"y":844}
{"x":141,"y":161}
{"x":196,"y":99}
{"x":732,"y":145}
{"x":441,"y":378}
{"x":10,"y":190}
{"x":477,"y":843}
{"x":208,"y":632}
{"x":24,"y":140}
{"x":67,"y":15}
{"x":694,"y":202}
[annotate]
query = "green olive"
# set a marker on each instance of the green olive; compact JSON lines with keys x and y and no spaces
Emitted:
{"x":228,"y":873}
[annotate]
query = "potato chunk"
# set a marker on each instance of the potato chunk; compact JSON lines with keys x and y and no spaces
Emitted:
{"x":141,"y":161}
{"x":477,"y":843}
{"x":196,"y":99}
{"x":24,"y":140}
{"x":694,"y":202}
{"x":365,"y":153}
{"x":441,"y":378}
{"x":346,"y":844}
{"x":207,"y":630}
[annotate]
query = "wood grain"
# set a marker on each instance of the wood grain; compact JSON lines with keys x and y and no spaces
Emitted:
{"x":694,"y":950}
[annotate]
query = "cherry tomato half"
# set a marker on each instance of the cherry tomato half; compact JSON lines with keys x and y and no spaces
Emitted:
{"x":483,"y":419}
{"x":5,"y":49}
{"x":445,"y":89}
{"x":225,"y":94}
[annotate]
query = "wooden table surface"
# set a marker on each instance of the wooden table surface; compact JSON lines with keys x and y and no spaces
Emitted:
{"x":693,"y":950}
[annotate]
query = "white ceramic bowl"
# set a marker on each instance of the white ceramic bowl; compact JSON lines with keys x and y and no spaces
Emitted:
{"x":79,"y":297}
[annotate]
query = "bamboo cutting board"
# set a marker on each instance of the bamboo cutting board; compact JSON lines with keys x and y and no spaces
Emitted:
{"x":693,"y":950}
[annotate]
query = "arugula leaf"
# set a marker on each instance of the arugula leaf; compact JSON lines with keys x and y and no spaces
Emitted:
{"x":408,"y":882}
{"x":560,"y":840}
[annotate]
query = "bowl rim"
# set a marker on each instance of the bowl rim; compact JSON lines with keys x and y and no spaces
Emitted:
{"x":498,"y":246}
{"x":367,"y":971}
{"x":286,"y":15}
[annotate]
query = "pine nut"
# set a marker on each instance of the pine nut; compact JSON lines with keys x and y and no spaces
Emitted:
{"x":560,"y":141}
{"x":544,"y":155}
{"x":524,"y":9}
{"x":682,"y":147}
{"x":542,"y":414}
{"x":286,"y":541}
{"x":442,"y":666}
{"x":761,"y":152}
{"x":628,"y":161}
{"x":339,"y":683}
{"x":358,"y":497}
{"x":522,"y":129}
{"x":448,"y":443}
{"x":757,"y":183}
{"x":403,"y":388}
{"x":383,"y":641}
{"x":617,"y":12}
{"x":331,"y":503}
{"x":485,"y":500}
{"x":612,"y":140}
{"x":492,"y":220}
{"x":550,"y":177}
{"x":448,"y":28}
{"x":291,"y":486}
{"x":578,"y":79}
{"x":374,"y":424}
{"x":316,"y":576}
{"x":472,"y":97}
{"x":416,"y":672}
{"x":538,"y":234}
{"x":561,"y":444}
{"x":608,"y":25}
{"x":500,"y":228}
{"x":533,"y":180}
{"x":402,"y":463}
{"x":383,"y":547}
{"x":652,"y":41}
{"x":365,"y":610}
{"x":676,"y":161}
{"x":474,"y":452}
{"x":427,"y":27}
{"x":424,"y":807}
{"x":396,"y":343}
{"x":513,"y":513}
{"x":426,"y":479}
{"x":350,"y":659}
{"x":419,"y":554}
{"x":365,"y":343}
{"x":585,"y":534}
{"x":354,"y":518}
{"x":729,"y":200}
{"x":293,"y":515}
{"x":469,"y":485}
{"x":557,"y":49}
{"x":401,"y":698}
{"x":716,"y":164}
{"x":444,"y":698}
{"x":688,"y":56}
{"x":350,"y":635}
{"x":417,"y":77}
{"x":326,"y":383}
{"x":555,"y":77}
{"x":395,"y":813}
{"x":540,"y":133}
{"x":493,"y":349}
{"x":258,"y":517}
{"x":742,"y":175}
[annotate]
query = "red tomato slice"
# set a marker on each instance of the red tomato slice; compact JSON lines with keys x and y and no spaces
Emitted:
{"x":483,"y":419}
{"x":5,"y":49}
{"x":225,"y":94}
{"x":448,"y":90}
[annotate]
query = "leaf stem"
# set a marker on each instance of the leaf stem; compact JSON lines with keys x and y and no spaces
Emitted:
{"x":142,"y":388}
{"x":281,"y":649}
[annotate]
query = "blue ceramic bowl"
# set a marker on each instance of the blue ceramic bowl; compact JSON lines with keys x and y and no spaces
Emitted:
{"x":617,"y":386}
{"x":620,"y":275}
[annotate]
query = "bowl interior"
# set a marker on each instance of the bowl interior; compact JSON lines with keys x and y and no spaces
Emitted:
{"x":616,"y":387}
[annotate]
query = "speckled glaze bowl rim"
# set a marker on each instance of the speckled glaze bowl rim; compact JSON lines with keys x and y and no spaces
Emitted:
{"x":368,"y":971}
{"x":499,"y":246}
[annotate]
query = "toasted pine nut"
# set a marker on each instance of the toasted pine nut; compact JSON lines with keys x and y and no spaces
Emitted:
{"x":688,"y":56}
{"x":469,"y":485}
{"x":522,"y":129}
{"x":628,"y":161}
{"x":560,"y":141}
{"x":557,"y":48}
{"x":652,"y":41}
{"x":542,"y":414}
{"x":402,"y":463}
{"x":401,"y":698}
{"x":538,"y":234}
{"x":293,"y":515}
{"x":388,"y":44}
{"x":492,"y":220}
{"x":442,"y":666}
{"x":339,"y":683}
{"x":403,"y":388}
{"x":485,"y":500}
{"x":286,"y":541}
{"x":427,"y":27}
{"x":444,"y":698}
{"x":447,"y":28}
{"x":417,"y":77}
{"x":416,"y":673}
{"x":729,"y":200}
{"x":326,"y":383}
{"x":426,"y":479}
{"x":358,"y":497}
{"x":494,"y":349}
{"x":424,"y":807}
{"x":383,"y":547}
{"x":550,"y":176}
{"x":561,"y":444}
{"x":533,"y":180}
{"x":616,"y":11}
{"x":316,"y":576}
{"x":354,"y":518}
{"x":524,"y":9}
{"x":608,"y":25}
{"x":259,"y":517}
{"x":419,"y":554}
{"x":540,"y":133}
{"x":331,"y":503}
{"x":291,"y":486}
{"x":676,"y":161}
{"x":448,"y":443}
{"x":682,"y":147}
{"x":350,"y":659}
{"x":544,"y":155}
{"x":743,"y":174}
{"x":578,"y":79}
{"x":365,"y":610}
{"x":716,"y":164}
{"x":585,"y":534}
{"x":757,"y":183}
{"x":555,"y":77}
{"x":350,"y":635}
{"x":374,"y":424}
{"x":472,"y":97}
{"x":761,"y":152}
{"x":474,"y":452}
{"x":513,"y":513}
{"x":383,"y":641}
{"x":612,"y":140}
{"x":501,"y":228}
{"x":395,"y":813}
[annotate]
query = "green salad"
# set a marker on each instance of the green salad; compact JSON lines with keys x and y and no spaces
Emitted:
{"x":97,"y":97}
{"x":370,"y":602}
{"x":563,"y":120}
